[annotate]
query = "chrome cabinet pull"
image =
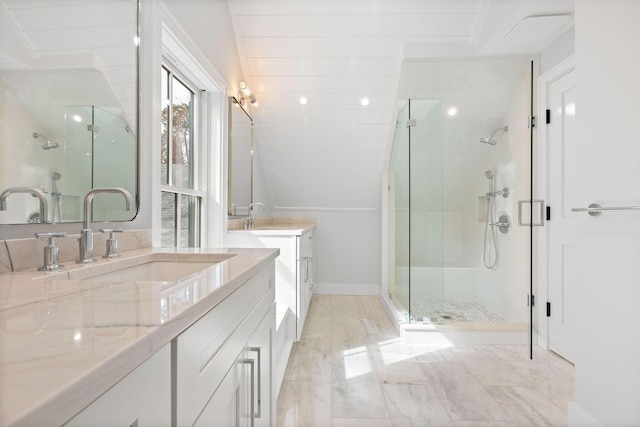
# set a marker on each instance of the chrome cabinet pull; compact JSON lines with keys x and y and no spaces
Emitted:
{"x":253,"y":405}
{"x":259,"y":413}
{"x":306,"y":269}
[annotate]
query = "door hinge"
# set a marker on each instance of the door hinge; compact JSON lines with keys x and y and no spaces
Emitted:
{"x":548,"y":309}
{"x":411,"y":122}
{"x":533,"y":121}
{"x":548,"y":213}
{"x":533,"y":300}
{"x":548,"y":120}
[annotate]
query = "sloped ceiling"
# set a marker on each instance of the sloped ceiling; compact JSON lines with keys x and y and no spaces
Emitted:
{"x":330,"y":153}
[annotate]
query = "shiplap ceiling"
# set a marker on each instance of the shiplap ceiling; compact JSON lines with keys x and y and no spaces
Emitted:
{"x":330,"y":153}
{"x":78,"y":52}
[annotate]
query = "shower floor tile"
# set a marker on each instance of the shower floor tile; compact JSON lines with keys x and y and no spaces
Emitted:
{"x":437,"y":312}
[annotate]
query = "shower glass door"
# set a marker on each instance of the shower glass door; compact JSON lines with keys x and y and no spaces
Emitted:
{"x":460,"y":163}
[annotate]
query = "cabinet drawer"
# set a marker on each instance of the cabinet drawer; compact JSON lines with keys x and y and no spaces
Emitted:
{"x":207,"y":350}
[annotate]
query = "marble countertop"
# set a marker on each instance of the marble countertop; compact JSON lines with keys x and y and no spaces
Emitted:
{"x":275,"y":226}
{"x":66,"y":338}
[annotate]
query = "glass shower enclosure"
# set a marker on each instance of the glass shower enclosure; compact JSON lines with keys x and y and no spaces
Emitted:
{"x":460,"y":165}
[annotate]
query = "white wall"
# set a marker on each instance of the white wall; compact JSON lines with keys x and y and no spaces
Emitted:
{"x":607,"y":374}
{"x":347,"y":251}
{"x":558,"y":51}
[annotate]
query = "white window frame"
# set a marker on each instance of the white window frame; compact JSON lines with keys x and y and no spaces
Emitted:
{"x":190,"y":64}
{"x":199,"y":150}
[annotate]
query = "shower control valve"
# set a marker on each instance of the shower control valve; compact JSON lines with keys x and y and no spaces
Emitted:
{"x":503,"y":224}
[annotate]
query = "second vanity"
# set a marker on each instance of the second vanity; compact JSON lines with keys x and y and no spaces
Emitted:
{"x":294,"y":276}
{"x":156,"y":337}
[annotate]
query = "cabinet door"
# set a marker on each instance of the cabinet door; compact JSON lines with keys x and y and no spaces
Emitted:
{"x":209,"y":348}
{"x":142,"y":398}
{"x":244,"y":397}
{"x":228,"y":406}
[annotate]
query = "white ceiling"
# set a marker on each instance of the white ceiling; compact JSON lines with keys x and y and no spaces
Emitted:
{"x":330,"y":153}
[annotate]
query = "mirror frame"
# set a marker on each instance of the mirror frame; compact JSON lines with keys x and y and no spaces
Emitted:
{"x":13,"y":231}
{"x":234,"y":101}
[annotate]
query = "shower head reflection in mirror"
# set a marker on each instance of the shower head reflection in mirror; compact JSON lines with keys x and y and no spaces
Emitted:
{"x":490,"y":139}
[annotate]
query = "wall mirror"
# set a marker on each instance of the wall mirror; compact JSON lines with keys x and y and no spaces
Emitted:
{"x":68,"y":106}
{"x":240,"y":159}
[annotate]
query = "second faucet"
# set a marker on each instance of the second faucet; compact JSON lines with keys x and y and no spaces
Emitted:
{"x":86,"y":234}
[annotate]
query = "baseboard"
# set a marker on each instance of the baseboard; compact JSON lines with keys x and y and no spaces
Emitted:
{"x":346,"y":289}
{"x":578,"y":417}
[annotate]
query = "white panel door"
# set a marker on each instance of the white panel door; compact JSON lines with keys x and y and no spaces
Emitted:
{"x":562,"y":161}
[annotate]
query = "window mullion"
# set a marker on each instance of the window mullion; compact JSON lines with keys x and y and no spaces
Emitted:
{"x":178,"y":219}
{"x":170,"y":130}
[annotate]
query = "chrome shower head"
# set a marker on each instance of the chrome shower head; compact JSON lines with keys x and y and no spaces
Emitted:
{"x":48,"y":145}
{"x":56,"y":176}
{"x":490,"y":139}
{"x":489,"y":174}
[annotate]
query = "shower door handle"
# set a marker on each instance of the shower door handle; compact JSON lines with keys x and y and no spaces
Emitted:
{"x":541,"y":216}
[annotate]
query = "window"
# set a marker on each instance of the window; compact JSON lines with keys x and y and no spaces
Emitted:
{"x":181,"y":196}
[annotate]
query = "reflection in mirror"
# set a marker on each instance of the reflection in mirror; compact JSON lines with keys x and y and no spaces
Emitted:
{"x":68,"y":104}
{"x":240,"y":159}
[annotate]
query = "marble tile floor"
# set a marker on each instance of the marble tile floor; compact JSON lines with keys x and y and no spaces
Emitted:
{"x":350,"y":369}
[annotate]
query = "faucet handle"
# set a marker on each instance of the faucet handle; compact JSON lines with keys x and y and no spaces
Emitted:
{"x":112,"y":243}
{"x":111,"y":231}
{"x":51,"y":251}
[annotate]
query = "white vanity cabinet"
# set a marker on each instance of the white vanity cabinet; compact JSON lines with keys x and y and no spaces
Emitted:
{"x":294,"y":266}
{"x":304,"y":279}
{"x":245,"y":395}
{"x":142,"y":398}
{"x":222,"y":362}
{"x":221,"y":368}
{"x":294,"y":269}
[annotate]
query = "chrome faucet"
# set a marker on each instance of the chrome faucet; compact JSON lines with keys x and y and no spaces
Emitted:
{"x":252,"y":217}
{"x":31,"y":190}
{"x":86,"y":234}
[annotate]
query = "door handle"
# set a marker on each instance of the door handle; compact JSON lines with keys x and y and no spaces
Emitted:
{"x":521,"y":221}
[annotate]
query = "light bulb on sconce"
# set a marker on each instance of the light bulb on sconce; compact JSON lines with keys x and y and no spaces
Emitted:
{"x":245,"y":94}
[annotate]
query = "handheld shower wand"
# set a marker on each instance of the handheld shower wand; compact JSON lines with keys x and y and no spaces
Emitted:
{"x":490,"y":232}
{"x":56,"y":195}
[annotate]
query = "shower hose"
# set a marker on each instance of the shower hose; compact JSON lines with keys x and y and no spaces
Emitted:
{"x":490,"y":235}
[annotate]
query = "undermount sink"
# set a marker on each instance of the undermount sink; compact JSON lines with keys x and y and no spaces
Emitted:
{"x":162,"y":268}
{"x":161,"y":271}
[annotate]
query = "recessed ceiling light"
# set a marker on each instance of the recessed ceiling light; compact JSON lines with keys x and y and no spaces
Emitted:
{"x":364,"y":102}
{"x":303,"y":100}
{"x":452,"y":111}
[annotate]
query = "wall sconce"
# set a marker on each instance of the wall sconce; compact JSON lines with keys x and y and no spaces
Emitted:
{"x":245,"y":94}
